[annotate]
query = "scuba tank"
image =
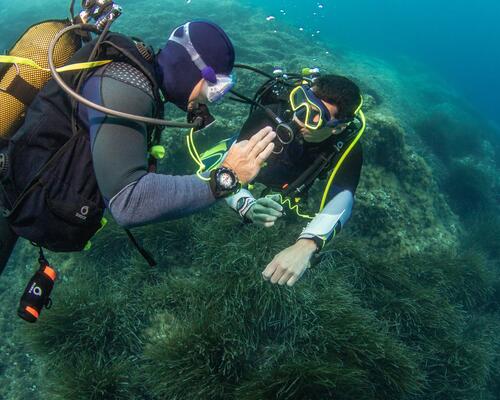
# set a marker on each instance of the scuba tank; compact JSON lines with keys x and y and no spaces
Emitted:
{"x":20,"y":83}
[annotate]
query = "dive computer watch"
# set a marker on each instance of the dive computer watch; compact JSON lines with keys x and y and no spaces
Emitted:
{"x":224,"y":182}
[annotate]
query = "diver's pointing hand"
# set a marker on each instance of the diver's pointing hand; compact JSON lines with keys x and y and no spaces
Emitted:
{"x":245,"y":158}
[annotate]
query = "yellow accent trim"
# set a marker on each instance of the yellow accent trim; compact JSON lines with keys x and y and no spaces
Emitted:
{"x":360,"y":106}
{"x":306,"y":71}
{"x":104,"y":222}
{"x":193,"y":152}
{"x":294,"y":208}
{"x":33,"y":64}
{"x":218,"y":148}
{"x":216,"y":164}
{"x":344,"y":156}
{"x":88,"y":245}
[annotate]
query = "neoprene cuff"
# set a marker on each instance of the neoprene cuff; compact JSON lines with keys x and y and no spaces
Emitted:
{"x":330,"y":221}
{"x":241,"y":202}
{"x":320,"y":243}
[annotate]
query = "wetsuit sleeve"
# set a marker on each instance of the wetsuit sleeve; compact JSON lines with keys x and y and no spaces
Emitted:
{"x":119,"y":149}
{"x":340,"y":201}
{"x":328,"y":223}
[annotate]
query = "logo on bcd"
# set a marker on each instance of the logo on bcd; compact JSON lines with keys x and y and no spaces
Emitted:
{"x":82,"y":214}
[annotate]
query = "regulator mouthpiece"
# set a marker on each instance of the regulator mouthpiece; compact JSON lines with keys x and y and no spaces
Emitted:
{"x":200,"y":116}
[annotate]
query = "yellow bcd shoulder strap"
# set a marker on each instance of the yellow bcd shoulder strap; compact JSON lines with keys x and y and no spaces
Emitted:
{"x":33,"y":64}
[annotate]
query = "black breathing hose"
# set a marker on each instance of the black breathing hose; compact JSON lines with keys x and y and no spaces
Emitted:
{"x":90,"y":104}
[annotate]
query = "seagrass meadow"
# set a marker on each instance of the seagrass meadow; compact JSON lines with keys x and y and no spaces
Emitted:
{"x":404,"y":304}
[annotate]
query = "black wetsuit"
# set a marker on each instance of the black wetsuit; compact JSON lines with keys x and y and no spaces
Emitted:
{"x":284,"y":168}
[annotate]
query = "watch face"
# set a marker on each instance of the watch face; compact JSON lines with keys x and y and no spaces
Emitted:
{"x":226,"y":180}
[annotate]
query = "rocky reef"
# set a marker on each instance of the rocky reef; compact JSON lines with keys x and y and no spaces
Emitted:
{"x":404,"y":304}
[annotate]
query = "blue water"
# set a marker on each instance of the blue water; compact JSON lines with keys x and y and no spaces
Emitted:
{"x":457,"y":39}
{"x":381,"y":324}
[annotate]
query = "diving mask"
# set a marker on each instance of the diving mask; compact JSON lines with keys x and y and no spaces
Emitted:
{"x":311,"y":111}
{"x":216,"y":86}
{"x":214,"y":92}
{"x":308,"y":108}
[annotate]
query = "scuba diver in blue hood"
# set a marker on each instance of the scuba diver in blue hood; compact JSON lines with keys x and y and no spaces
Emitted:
{"x":91,"y":134}
{"x":319,"y":122}
{"x":195,"y":69}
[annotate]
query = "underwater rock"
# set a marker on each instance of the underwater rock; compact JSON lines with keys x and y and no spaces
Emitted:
{"x":399,"y":205}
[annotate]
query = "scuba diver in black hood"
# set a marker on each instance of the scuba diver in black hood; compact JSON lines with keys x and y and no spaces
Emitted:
{"x":319,"y":122}
{"x":90,"y":137}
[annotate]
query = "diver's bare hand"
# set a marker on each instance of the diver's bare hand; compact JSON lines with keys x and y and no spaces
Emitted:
{"x":245,"y":158}
{"x":289,"y":265}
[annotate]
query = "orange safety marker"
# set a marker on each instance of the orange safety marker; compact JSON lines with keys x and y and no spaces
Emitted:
{"x":50,"y":272}
{"x":32,"y":311}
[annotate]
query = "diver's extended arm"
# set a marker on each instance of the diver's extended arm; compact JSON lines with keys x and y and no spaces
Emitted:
{"x":157,"y":197}
{"x":338,"y":209}
{"x":291,"y":263}
{"x":330,"y":220}
{"x":119,"y":150}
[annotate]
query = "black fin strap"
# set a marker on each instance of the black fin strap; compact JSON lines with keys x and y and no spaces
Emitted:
{"x":144,"y":253}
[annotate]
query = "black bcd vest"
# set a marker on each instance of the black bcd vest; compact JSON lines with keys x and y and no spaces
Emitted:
{"x":50,"y":194}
